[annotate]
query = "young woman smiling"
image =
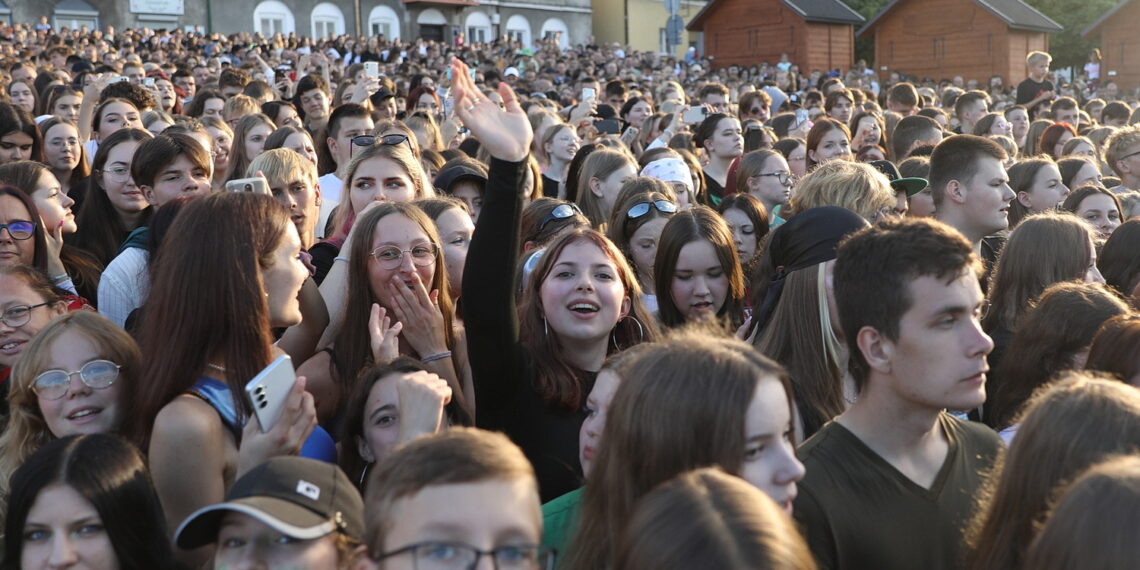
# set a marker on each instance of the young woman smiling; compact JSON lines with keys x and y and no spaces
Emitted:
{"x":533,"y":367}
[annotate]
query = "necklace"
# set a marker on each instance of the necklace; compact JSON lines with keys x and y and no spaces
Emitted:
{"x":221,"y":369}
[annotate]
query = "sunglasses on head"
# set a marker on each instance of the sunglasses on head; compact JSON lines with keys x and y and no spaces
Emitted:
{"x":639,"y":210}
{"x":560,"y":212}
{"x":369,"y":140}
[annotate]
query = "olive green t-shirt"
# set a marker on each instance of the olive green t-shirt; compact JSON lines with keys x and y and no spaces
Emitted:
{"x":857,"y":511}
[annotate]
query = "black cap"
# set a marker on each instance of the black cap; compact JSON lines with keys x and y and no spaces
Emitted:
{"x":911,"y":186}
{"x":380,"y":95}
{"x":298,"y":497}
{"x":454,"y":173}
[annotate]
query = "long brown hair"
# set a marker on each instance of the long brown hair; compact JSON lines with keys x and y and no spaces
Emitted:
{"x":221,"y":242}
{"x":681,"y":405}
{"x":1116,"y":349}
{"x":1046,"y":248}
{"x":1021,"y":178}
{"x":1094,"y":523}
{"x":1119,"y":260}
{"x":557,"y":380}
{"x":699,"y":223}
{"x":600,"y":164}
{"x":100,"y":228}
{"x":794,"y":337}
{"x":353,"y":347}
{"x":706,"y":518}
{"x":1066,"y":427}
{"x":1057,"y":326}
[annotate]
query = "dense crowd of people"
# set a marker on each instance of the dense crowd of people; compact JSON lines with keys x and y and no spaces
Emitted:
{"x":359,"y":303}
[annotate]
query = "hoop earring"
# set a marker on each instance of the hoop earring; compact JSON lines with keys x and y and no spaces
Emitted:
{"x":545,"y":327}
{"x":364,"y":474}
{"x":640,"y":331}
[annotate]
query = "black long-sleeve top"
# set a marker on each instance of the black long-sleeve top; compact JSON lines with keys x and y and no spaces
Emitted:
{"x":506,"y":398}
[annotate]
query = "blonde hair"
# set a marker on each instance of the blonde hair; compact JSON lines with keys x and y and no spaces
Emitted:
{"x":402,"y":155}
{"x":280,"y":163}
{"x":240,"y":106}
{"x":1036,"y":57}
{"x":856,"y":186}
{"x":26,"y":430}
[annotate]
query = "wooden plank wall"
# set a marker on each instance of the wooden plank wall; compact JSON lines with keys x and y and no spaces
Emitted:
{"x":941,"y":39}
{"x":748,"y":32}
{"x":1120,"y":47}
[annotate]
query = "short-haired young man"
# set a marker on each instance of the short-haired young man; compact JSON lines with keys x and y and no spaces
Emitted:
{"x":969,"y":108}
{"x":971,"y":191}
{"x":468,"y":490}
{"x":912,"y":132}
{"x":312,"y":100}
{"x":232,"y":80}
{"x":1122,"y":153}
{"x":890,"y":483}
{"x":715,"y":95}
{"x":902,"y":98}
{"x":1065,"y":111}
{"x":346,"y":122}
{"x":1035,"y":89}
{"x":293,"y":182}
{"x":1115,"y":114}
{"x":163,"y":168}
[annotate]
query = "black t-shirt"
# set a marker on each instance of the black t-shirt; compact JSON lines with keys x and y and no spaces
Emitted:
{"x":1029,"y":90}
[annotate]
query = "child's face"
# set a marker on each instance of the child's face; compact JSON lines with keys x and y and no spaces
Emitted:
{"x":1039,"y":69}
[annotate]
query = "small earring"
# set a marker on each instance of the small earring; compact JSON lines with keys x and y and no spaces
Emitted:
{"x":545,"y":327}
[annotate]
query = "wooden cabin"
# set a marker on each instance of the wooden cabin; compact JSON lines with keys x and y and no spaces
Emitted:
{"x":816,"y":34}
{"x":1119,"y":45}
{"x":942,"y":39}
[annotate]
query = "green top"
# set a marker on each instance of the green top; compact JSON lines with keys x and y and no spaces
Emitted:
{"x":559,"y":519}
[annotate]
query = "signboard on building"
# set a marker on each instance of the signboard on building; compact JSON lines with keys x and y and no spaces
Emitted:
{"x":171,"y":7}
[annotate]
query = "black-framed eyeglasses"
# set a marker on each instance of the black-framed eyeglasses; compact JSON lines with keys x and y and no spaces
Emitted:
{"x":19,"y":315}
{"x":390,"y":256}
{"x":19,"y":229}
{"x":459,"y":556}
{"x":96,"y":374}
{"x":784,"y":177}
{"x":369,"y":140}
{"x":560,"y":212}
{"x":639,"y":210}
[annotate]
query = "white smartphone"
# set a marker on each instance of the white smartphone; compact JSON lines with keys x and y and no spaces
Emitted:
{"x":695,"y":115}
{"x":588,"y":93}
{"x":256,"y":185}
{"x":372,"y":69}
{"x":148,"y":82}
{"x":269,"y":390}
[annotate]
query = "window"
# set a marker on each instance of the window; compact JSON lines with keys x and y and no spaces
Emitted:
{"x":273,"y":17}
{"x":270,"y":25}
{"x":383,"y":20}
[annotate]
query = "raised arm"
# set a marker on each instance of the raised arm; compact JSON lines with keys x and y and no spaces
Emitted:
{"x":488,"y":285}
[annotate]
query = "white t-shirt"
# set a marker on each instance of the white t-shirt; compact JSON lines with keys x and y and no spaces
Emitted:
{"x":331,"y":187}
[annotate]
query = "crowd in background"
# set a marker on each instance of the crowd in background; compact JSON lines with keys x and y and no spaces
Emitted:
{"x":359,"y":303}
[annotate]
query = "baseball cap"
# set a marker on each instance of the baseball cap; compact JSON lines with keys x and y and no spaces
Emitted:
{"x":450,"y":175}
{"x":511,"y":71}
{"x":380,"y":95}
{"x":911,"y":186}
{"x":298,"y":497}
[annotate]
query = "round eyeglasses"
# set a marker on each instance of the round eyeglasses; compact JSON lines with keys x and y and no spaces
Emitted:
{"x":391,"y":257}
{"x":54,"y":384}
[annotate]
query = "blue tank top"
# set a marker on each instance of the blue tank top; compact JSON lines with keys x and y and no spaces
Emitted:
{"x":320,"y":444}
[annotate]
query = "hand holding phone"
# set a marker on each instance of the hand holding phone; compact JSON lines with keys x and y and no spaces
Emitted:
{"x":695,"y":115}
{"x":257,"y":185}
{"x":269,"y":390}
{"x":372,"y":69}
{"x":588,"y":93}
